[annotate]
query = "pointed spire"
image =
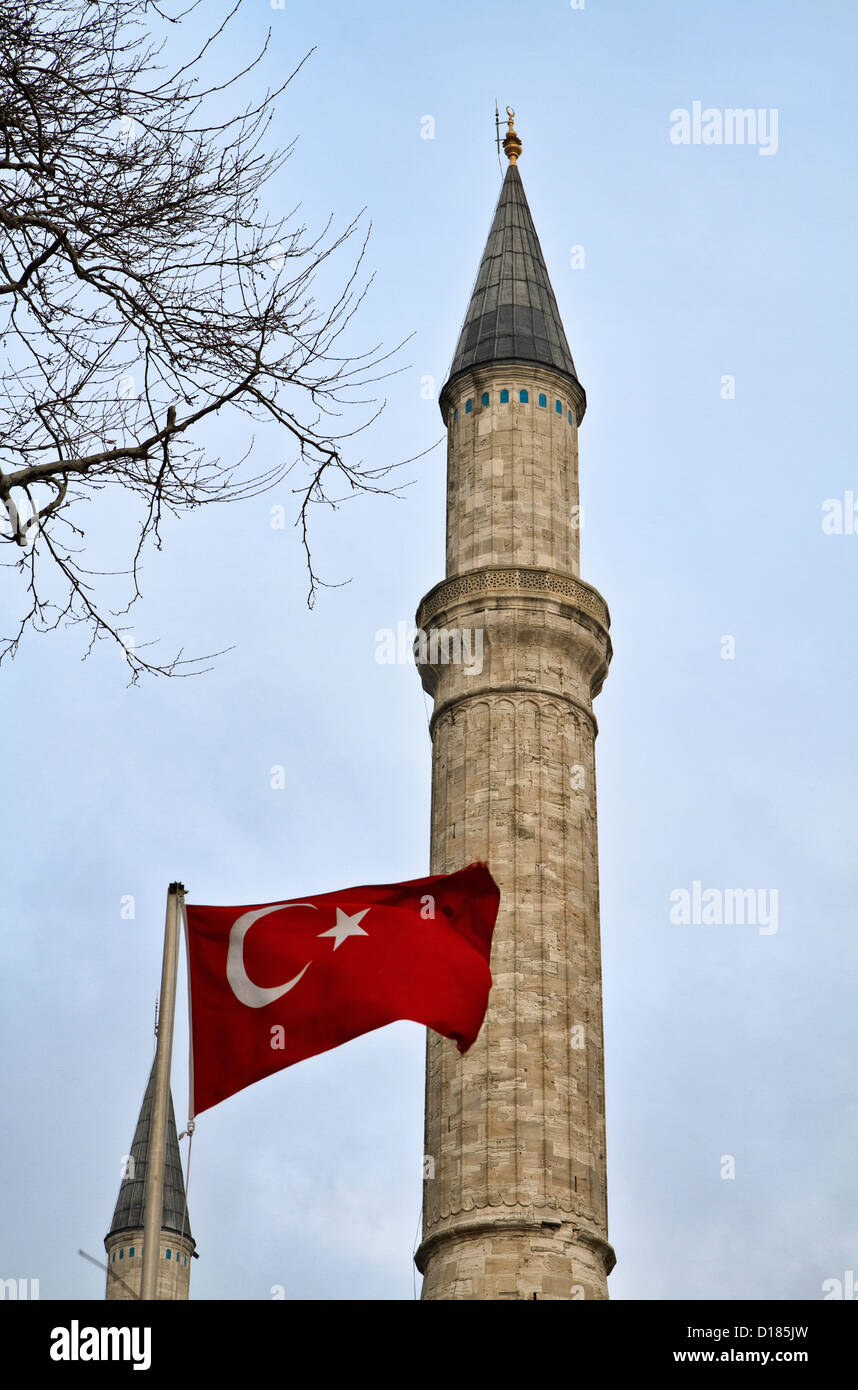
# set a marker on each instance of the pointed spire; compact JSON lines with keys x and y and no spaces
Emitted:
{"x":128,"y":1215}
{"x":513,"y":315}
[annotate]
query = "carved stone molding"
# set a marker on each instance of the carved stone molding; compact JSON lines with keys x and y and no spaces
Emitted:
{"x":530,"y":1223}
{"x":509,"y":581}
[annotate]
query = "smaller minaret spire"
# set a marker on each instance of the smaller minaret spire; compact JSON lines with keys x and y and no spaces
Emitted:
{"x":511,"y":142}
{"x":124,"y":1240}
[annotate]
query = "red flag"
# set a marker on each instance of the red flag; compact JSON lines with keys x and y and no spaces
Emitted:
{"x":278,"y":982}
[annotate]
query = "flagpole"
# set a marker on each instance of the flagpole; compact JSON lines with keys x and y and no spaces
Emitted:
{"x":154,"y":1195}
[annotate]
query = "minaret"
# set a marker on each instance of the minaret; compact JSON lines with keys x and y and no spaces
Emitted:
{"x":124,"y":1240}
{"x":515,"y":1191}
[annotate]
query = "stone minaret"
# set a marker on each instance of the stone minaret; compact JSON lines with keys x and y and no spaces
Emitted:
{"x":514,"y":1197}
{"x":124,"y":1240}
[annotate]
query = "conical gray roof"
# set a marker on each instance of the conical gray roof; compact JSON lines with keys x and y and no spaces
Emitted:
{"x":513,"y":314}
{"x":128,"y":1215}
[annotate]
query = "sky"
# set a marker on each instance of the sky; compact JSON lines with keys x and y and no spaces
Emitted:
{"x":711,"y":323}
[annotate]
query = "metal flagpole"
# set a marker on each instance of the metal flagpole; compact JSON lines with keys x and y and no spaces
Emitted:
{"x":154,"y":1196}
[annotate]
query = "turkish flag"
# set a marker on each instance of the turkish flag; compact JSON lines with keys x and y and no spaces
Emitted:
{"x":278,"y":982}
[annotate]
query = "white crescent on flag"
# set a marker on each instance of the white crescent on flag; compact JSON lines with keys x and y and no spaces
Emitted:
{"x":245,"y":991}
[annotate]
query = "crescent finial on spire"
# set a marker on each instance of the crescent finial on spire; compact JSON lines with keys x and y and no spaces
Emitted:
{"x":511,"y":142}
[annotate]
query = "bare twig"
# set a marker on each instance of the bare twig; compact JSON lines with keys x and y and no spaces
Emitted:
{"x":143,"y":292}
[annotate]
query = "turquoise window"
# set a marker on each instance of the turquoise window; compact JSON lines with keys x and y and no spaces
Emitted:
{"x":558,"y":406}
{"x":455,"y":416}
{"x":469,"y":405}
{"x":169,"y":1255}
{"x":485,"y":398}
{"x":524,"y":397}
{"x":543,"y":400}
{"x":113,"y":1257}
{"x":569,"y":417}
{"x":122,"y":1254}
{"x":131,"y":1253}
{"x":504,"y":397}
{"x":186,"y":1259}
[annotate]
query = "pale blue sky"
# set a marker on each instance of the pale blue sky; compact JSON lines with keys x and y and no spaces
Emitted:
{"x":702,"y":519}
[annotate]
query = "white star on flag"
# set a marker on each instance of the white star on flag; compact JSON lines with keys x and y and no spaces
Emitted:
{"x":346,"y":926}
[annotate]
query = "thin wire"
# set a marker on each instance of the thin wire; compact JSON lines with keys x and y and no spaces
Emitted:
{"x":190,"y":1134}
{"x":111,"y":1274}
{"x":414,"y":1249}
{"x":428,"y":714}
{"x":479,"y":267}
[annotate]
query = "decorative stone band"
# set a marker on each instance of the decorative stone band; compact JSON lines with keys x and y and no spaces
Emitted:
{"x":546,"y":700}
{"x":525,"y":581}
{"x":499,"y":1225}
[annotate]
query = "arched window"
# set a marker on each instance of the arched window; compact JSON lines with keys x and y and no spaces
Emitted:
{"x":169,"y":1255}
{"x":524,"y":397}
{"x":485,"y":398}
{"x":469,"y":405}
{"x":122,"y":1254}
{"x":113,"y":1258}
{"x":570,"y":417}
{"x":558,"y":406}
{"x":504,"y":397}
{"x":543,"y":400}
{"x":455,"y":416}
{"x":131,"y":1253}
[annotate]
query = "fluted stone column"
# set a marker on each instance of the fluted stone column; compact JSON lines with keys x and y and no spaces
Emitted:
{"x":515,"y":1194}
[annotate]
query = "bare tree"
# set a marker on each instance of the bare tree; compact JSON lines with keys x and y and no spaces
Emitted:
{"x":142,"y":290}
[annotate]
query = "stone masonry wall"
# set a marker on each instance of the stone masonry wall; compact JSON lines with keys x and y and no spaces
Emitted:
{"x":173,"y":1275}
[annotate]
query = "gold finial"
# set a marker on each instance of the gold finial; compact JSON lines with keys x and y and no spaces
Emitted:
{"x":511,"y":142}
